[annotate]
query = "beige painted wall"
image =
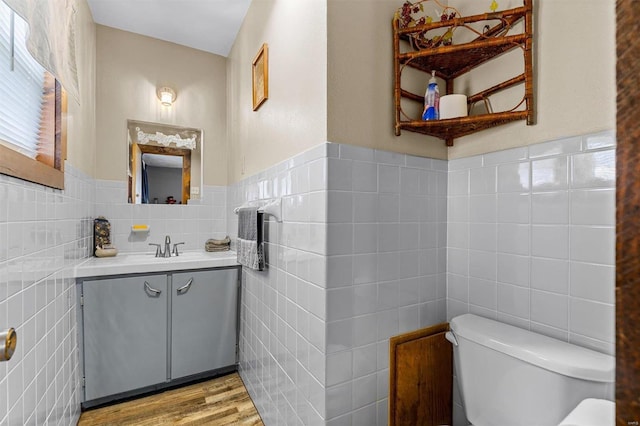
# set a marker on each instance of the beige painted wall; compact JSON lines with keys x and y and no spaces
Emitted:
{"x":81,"y":117}
{"x":574,"y":74}
{"x":294,"y":118}
{"x":574,"y":66}
{"x":129,"y":68}
{"x":360,"y":80}
{"x":341,"y":90}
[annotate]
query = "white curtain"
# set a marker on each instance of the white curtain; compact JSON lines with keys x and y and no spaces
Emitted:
{"x":52,"y":37}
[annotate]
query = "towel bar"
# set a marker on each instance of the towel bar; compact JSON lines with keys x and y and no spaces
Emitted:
{"x":272,"y":208}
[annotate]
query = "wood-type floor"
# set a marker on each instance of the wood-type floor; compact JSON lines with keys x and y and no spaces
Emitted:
{"x":221,"y":401}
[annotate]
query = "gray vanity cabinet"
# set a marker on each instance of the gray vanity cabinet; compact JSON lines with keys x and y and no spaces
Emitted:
{"x":125,"y":334}
{"x":203,"y":321}
{"x":146,"y":332}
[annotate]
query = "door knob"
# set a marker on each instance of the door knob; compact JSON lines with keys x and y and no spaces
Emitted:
{"x":8,"y":341}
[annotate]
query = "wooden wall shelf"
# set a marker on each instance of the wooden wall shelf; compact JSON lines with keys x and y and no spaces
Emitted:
{"x":455,"y":60}
{"x":456,"y":127}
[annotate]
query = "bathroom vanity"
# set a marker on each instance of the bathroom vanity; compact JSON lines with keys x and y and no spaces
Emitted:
{"x":146,"y":323}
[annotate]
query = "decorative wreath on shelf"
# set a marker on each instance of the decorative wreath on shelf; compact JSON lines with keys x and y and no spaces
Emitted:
{"x":414,"y":14}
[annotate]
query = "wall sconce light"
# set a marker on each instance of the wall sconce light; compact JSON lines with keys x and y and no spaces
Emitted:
{"x":166,"y":95}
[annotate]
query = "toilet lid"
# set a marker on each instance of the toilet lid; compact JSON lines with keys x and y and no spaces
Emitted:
{"x":592,"y":412}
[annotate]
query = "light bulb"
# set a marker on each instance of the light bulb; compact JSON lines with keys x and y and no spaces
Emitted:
{"x":166,"y":95}
{"x":166,"y":98}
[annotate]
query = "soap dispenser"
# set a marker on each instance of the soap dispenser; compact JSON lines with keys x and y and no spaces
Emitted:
{"x":432,"y":100}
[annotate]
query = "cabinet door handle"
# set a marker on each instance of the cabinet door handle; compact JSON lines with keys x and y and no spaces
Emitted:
{"x":185,"y":288}
{"x":151,"y":289}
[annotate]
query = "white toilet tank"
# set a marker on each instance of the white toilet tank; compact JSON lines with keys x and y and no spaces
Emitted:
{"x":510,"y":376}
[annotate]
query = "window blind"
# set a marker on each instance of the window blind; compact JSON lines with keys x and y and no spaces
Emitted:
{"x":21,"y":86}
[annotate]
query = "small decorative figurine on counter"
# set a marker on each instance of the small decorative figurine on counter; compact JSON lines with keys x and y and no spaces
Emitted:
{"x":102,"y":238}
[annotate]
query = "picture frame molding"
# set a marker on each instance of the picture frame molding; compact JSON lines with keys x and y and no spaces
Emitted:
{"x":260,"y":77}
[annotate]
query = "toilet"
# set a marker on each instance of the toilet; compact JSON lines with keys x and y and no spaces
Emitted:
{"x":511,"y":376}
{"x":591,"y":412}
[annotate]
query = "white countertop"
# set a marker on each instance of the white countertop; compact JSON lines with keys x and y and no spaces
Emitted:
{"x":134,"y":263}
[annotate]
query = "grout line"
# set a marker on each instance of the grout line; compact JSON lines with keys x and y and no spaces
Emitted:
{"x":530,"y":194}
{"x":569,"y":226}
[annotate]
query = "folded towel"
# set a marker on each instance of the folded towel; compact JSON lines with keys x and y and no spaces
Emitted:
{"x":250,"y":247}
{"x":218,"y":245}
{"x":217,"y":248}
{"x":225,"y":242}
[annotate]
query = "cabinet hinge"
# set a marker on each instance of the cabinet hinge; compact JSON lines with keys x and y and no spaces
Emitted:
{"x":84,"y":382}
{"x":81,"y":300}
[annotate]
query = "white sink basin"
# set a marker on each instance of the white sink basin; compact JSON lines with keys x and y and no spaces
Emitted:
{"x":133,"y":263}
{"x":150,"y":257}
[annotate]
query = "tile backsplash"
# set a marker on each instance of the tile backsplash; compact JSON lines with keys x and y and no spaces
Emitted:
{"x":192,"y":224}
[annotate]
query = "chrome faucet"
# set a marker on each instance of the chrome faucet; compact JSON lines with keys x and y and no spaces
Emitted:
{"x":175,"y":249}
{"x":158,"y":250}
{"x":167,"y":248}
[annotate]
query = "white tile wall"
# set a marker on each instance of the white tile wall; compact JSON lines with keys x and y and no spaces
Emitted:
{"x":387,"y":271}
{"x":371,"y":244}
{"x":359,"y":257}
{"x":44,"y":233}
{"x":192,"y":224}
{"x":533,"y":243}
{"x":283,"y":336}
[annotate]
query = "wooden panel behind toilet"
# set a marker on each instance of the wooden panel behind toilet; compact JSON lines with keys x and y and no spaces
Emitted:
{"x":421,"y":378}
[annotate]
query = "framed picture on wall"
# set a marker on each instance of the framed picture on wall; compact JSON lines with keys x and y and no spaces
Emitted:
{"x":260,"y":76}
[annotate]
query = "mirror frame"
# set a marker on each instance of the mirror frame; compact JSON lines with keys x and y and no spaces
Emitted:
{"x":186,"y":154}
{"x":162,"y":150}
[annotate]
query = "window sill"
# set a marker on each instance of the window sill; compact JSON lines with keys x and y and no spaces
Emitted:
{"x":15,"y":164}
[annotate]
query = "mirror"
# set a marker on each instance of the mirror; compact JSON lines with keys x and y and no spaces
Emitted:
{"x":165,"y":163}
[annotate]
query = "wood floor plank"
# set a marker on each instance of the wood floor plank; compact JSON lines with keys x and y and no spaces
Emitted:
{"x":208,"y":416}
{"x":219,"y":402}
{"x":233,"y":394}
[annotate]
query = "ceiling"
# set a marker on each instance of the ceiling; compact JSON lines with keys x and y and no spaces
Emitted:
{"x":209,"y":25}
